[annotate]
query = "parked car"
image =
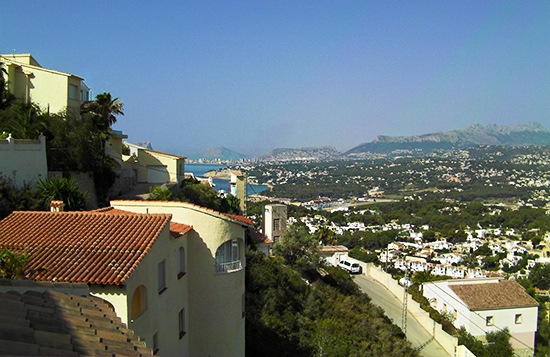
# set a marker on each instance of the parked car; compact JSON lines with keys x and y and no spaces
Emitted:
{"x":350,"y":267}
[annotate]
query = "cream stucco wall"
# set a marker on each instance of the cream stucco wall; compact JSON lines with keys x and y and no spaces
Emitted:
{"x":113,"y":148}
{"x":23,"y":161}
{"x":48,"y":88}
{"x":216,"y":322}
{"x":116,"y":295}
{"x":144,"y":158}
{"x":238,"y":188}
{"x":161,"y":314}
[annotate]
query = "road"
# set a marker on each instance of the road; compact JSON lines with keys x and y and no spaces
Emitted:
{"x":416,"y":333}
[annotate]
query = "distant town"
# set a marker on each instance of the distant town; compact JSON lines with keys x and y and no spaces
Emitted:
{"x":108,"y":245}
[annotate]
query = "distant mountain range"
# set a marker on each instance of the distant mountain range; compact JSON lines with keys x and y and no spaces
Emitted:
{"x":529,"y":134}
{"x":532,"y":133}
{"x":146,"y":144}
{"x":308,"y":153}
{"x":223,"y":154}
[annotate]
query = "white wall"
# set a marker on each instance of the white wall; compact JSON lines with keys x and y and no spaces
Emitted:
{"x":23,"y":161}
{"x":475,"y":322}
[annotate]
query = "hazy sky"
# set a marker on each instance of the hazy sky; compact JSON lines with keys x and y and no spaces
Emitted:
{"x":257,"y":75}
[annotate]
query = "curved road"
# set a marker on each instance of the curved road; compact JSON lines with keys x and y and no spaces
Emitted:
{"x":416,"y":333}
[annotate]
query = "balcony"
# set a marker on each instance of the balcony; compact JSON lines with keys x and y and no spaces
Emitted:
{"x":230,"y":266}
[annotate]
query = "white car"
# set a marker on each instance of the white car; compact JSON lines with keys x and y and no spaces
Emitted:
{"x":350,"y":266}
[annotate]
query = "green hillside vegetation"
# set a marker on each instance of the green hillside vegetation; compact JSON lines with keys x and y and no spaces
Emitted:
{"x":297,"y":307}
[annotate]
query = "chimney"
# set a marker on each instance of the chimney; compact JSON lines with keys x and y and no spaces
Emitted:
{"x":56,"y":206}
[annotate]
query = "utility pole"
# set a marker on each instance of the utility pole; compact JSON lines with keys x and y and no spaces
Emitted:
{"x":405,"y":299}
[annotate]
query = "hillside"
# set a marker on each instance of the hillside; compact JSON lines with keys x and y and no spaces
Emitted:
{"x":223,"y":153}
{"x":532,"y":133}
{"x":302,"y":154}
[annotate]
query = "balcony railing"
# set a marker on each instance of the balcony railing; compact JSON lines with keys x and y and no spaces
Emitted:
{"x":229,"y":266}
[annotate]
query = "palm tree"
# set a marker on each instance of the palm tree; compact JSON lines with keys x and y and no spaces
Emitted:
{"x":27,"y":121}
{"x":105,"y":108}
{"x":13,"y":265}
{"x":325,"y":235}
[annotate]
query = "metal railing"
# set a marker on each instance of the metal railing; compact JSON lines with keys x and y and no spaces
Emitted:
{"x":229,"y":266}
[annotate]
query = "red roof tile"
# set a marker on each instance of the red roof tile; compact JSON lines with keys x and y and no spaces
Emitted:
{"x":89,"y":247}
{"x":179,"y":229}
{"x":240,"y":218}
{"x":504,"y":294}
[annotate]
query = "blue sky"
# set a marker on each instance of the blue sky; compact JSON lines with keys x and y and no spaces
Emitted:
{"x":257,"y":75}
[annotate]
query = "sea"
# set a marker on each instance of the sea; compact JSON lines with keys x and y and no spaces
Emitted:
{"x":199,"y":169}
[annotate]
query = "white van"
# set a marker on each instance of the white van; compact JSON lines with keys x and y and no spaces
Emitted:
{"x":350,"y":267}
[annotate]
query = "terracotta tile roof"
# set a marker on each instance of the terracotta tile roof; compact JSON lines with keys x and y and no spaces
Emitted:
{"x":332,"y":248}
{"x":111,"y":210}
{"x":240,"y":218}
{"x":179,"y":229}
{"x":57,"y":324}
{"x":504,"y":294}
{"x":88,"y":247}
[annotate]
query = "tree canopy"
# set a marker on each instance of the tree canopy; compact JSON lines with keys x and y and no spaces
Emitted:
{"x":289,"y":316}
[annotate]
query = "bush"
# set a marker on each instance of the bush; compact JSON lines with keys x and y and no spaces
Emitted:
{"x":66,"y":190}
{"x":287,"y":315}
{"x":13,"y":198}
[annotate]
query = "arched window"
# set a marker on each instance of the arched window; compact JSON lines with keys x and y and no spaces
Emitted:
{"x":139,"y":301}
{"x":228,"y":256}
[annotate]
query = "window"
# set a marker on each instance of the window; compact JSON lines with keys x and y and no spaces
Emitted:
{"x":155,"y":343}
{"x":228,"y":256}
{"x":519,"y":318}
{"x":162,"y":276}
{"x":73,"y":91}
{"x":181,"y":322}
{"x":276,"y":224}
{"x":139,"y":301}
{"x":489,"y":320}
{"x":181,"y":262}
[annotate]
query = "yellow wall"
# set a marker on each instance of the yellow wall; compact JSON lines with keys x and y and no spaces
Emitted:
{"x":174,"y":165}
{"x":216,"y":324}
{"x":45,"y":87}
{"x":113,"y":148}
{"x":116,"y":295}
{"x":161,"y":315}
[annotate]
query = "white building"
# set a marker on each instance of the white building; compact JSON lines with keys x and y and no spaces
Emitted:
{"x":488,"y":305}
{"x":274,"y":222}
